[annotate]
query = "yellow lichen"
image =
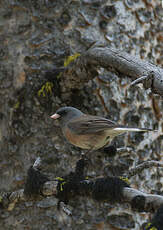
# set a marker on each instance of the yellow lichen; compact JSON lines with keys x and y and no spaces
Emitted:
{"x":59,"y":178}
{"x":62,"y":184}
{"x":59,"y":75}
{"x":45,"y":89}
{"x":149,"y":226}
{"x":125,"y":179}
{"x":17,"y":104}
{"x":71,"y":58}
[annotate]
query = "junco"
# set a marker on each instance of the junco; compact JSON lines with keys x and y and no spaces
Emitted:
{"x":87,"y":131}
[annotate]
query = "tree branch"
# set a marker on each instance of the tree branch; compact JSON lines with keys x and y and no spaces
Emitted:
{"x":152,"y":202}
{"x":128,"y":65}
{"x":113,"y":189}
{"x":84,"y":69}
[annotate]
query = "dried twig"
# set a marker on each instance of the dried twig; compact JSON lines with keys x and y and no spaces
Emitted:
{"x":139,"y":80}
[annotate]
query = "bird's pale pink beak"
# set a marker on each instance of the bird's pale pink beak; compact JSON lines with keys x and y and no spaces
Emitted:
{"x":55,"y":116}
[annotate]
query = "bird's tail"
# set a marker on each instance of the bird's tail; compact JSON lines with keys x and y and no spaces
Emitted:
{"x":130,"y":129}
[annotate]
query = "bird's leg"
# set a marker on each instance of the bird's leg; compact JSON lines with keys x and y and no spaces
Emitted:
{"x":83,"y":155}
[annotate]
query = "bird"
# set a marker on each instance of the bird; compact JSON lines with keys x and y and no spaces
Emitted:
{"x":87,"y":131}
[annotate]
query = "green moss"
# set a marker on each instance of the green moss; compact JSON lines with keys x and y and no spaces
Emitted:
{"x":45,"y":89}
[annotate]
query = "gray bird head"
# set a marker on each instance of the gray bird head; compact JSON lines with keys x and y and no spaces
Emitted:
{"x":65,"y":114}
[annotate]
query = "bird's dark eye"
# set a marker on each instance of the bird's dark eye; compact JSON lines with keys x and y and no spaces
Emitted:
{"x":63,"y":112}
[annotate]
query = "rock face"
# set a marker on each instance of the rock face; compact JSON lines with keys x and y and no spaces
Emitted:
{"x":36,"y":37}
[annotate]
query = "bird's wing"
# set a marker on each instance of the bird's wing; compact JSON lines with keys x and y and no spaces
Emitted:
{"x":90,"y":124}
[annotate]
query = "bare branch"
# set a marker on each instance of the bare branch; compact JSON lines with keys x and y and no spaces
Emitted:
{"x":126,"y":64}
{"x":139,"y":80}
{"x":49,"y":189}
{"x":113,"y":189}
{"x":152,"y":202}
{"x":84,"y":68}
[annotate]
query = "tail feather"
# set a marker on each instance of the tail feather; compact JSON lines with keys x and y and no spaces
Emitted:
{"x":130,"y":129}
